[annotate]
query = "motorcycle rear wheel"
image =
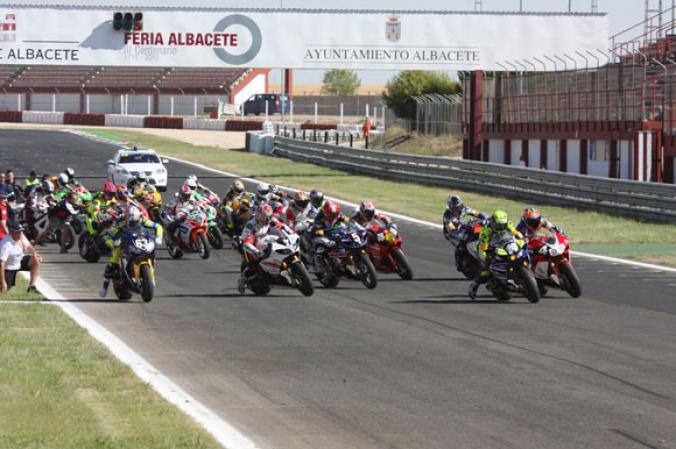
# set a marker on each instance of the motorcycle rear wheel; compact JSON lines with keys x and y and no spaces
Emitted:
{"x":69,"y":241}
{"x":367,"y":272}
{"x":302,"y":278}
{"x":147,"y":284}
{"x":403,"y":269}
{"x":174,"y":251}
{"x":259,"y":287}
{"x":528,"y":284}
{"x":571,"y":281}
{"x":122,"y":293}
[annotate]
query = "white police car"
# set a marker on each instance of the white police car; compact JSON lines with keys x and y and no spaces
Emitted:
{"x":129,"y":163}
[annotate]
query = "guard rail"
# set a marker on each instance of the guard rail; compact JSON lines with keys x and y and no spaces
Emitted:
{"x":650,"y":201}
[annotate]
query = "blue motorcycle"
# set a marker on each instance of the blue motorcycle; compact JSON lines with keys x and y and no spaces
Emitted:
{"x":343,"y":254}
{"x":137,"y":264}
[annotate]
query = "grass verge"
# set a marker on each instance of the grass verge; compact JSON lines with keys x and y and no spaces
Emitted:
{"x":62,"y":389}
{"x":585,"y":227}
{"x":421,"y":144}
{"x":18,"y":292}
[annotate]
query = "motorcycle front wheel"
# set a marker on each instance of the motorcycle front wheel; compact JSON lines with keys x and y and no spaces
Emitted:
{"x":528,"y":283}
{"x":147,"y":283}
{"x":302,"y":278}
{"x":202,"y":246}
{"x":403,"y":268}
{"x":571,"y":283}
{"x":367,"y":272}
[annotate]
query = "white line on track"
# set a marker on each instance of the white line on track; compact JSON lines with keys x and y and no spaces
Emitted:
{"x":592,"y":257}
{"x":222,"y":431}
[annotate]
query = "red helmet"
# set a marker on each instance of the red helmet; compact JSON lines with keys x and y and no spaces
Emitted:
{"x":532,"y":217}
{"x":264,"y":214}
{"x":367,"y":210}
{"x":331,"y":210}
{"x":122,"y":191}
{"x":109,"y":190}
{"x":277,"y":208}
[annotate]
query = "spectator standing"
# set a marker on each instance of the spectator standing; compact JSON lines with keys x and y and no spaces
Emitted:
{"x":17,"y":254}
{"x":4,"y":211}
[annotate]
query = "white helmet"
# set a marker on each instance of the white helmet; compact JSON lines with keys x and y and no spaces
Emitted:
{"x":133,"y":215}
{"x":191,"y":181}
{"x":63,"y":179}
{"x":263,"y":190}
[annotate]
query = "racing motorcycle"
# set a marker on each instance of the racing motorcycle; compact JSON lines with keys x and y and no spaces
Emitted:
{"x":509,"y":268}
{"x":137,"y":266}
{"x":92,"y":247}
{"x":345,"y":255}
{"x":35,"y":218}
{"x":462,"y":233}
{"x":384,"y":250}
{"x":190,"y":236}
{"x":281,"y":265}
{"x":214,"y":234}
{"x":551,"y":263}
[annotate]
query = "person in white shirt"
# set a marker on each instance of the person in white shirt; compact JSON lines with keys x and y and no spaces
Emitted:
{"x":17,"y":254}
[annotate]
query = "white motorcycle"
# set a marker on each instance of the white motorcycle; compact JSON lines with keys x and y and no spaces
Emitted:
{"x":282,"y":264}
{"x":35,"y":217}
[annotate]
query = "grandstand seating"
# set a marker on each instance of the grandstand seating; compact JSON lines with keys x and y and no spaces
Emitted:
{"x":125,"y":77}
{"x":52,"y":77}
{"x":181,"y":78}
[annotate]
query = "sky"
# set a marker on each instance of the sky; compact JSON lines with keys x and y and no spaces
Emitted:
{"x":621,"y":15}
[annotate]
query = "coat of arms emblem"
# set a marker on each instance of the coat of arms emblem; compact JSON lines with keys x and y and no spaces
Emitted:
{"x":393,"y":29}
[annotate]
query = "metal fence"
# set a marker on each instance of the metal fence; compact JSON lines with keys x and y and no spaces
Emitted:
{"x":638,"y":200}
{"x":352,"y":105}
{"x":438,"y":115}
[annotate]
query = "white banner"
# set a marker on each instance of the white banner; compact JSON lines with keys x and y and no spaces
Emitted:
{"x":302,"y":40}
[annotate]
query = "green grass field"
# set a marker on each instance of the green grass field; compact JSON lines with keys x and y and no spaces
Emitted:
{"x":421,"y":144}
{"x":585,"y":227}
{"x":18,"y":292}
{"x":60,"y":389}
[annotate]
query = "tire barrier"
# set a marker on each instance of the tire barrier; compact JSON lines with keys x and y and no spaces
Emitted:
{"x":125,"y":121}
{"x":243,"y":125}
{"x":71,"y":118}
{"x":163,"y":122}
{"x":195,"y":123}
{"x":11,"y":116}
{"x":51,"y":118}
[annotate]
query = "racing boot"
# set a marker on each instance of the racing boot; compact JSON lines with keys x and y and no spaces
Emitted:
{"x":241,"y":284}
{"x":109,"y":274}
{"x":474,"y":286}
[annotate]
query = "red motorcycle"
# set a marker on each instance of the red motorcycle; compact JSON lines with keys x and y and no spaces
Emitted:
{"x":550,"y":261}
{"x":384,"y":250}
{"x":190,"y":236}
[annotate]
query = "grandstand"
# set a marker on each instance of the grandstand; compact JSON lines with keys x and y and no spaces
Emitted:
{"x":606,"y":113}
{"x":35,"y":86}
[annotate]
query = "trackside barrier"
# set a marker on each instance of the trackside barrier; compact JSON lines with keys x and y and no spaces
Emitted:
{"x":70,"y":118}
{"x":52,"y":118}
{"x":642,"y":200}
{"x":11,"y":116}
{"x":212,"y":125}
{"x":153,"y":121}
{"x":243,"y":125}
{"x":319,"y":126}
{"x":125,"y":121}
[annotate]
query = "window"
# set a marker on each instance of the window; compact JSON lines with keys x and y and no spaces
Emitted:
{"x":598,"y":150}
{"x":142,"y":158}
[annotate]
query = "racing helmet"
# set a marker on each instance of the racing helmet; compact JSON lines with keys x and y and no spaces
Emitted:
{"x":274,"y":189}
{"x":301,"y":200}
{"x":331,"y":210}
{"x":70,"y":173}
{"x":499,"y":220}
{"x":191,"y":182}
{"x":264,"y":214}
{"x":262,"y":190}
{"x":532,"y":217}
{"x":186,"y":192}
{"x":237,"y":186}
{"x":47,"y":187}
{"x":109,"y":190}
{"x":455,"y":204}
{"x":63,"y":179}
{"x":133,"y":216}
{"x":122,"y":192}
{"x":367,"y":210}
{"x":316,"y":198}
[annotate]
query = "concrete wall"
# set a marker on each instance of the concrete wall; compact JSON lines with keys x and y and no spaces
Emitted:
{"x":573,"y":156}
{"x":534,"y":153}
{"x":553,"y":150}
{"x":516,"y":153}
{"x":496,"y":151}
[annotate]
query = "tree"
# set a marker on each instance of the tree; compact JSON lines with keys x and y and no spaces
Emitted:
{"x":411,"y":83}
{"x":340,"y":82}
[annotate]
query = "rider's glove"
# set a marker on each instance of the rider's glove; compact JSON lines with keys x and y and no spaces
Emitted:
{"x":117,"y":243}
{"x":544,"y":251}
{"x":381,"y":236}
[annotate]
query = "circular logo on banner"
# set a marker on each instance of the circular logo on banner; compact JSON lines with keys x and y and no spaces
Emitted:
{"x":256,"y":39}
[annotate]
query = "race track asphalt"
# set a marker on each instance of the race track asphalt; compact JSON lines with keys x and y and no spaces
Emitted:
{"x":409,"y":365}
